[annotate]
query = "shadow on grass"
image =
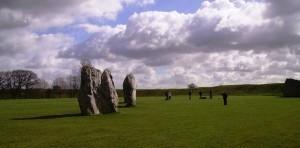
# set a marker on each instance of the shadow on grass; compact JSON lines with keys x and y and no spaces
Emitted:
{"x":288,"y":98}
{"x":49,"y":117}
{"x":123,"y":105}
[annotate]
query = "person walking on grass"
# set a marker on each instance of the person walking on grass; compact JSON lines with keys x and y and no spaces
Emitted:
{"x":224,"y":95}
{"x":190,"y":95}
{"x":200,"y":95}
{"x":168,"y":95}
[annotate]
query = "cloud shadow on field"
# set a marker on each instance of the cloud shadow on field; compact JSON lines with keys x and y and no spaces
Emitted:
{"x":49,"y":117}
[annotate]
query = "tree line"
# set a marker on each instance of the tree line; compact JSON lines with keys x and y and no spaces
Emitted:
{"x":26,"y":79}
{"x":18,"y":79}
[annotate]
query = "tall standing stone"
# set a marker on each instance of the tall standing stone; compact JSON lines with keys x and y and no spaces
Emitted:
{"x":129,"y":89}
{"x":90,"y":82}
{"x":291,"y":88}
{"x":107,"y":100}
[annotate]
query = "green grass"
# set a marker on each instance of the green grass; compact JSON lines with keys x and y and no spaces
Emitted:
{"x":248,"y":121}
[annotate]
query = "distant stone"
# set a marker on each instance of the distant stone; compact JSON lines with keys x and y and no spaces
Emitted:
{"x":129,"y":89}
{"x":291,"y":88}
{"x":108,"y":98}
{"x":90,"y":82}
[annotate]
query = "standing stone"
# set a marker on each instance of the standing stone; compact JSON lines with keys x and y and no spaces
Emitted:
{"x":291,"y":88}
{"x":210,"y":94}
{"x":108,"y":98}
{"x":129,"y":89}
{"x":90,"y":81}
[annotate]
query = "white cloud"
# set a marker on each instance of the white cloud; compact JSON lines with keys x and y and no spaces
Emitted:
{"x":220,"y":25}
{"x":224,"y":42}
{"x":96,"y":46}
{"x":44,"y":14}
{"x":139,"y":2}
{"x":21,"y":47}
{"x":233,"y":15}
{"x":26,"y":50}
{"x":12,"y":19}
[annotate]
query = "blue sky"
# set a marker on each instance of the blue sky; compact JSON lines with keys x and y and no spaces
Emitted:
{"x":183,"y":6}
{"x":186,"y":6}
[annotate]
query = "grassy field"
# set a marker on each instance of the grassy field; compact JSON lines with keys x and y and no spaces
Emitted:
{"x":248,"y":121}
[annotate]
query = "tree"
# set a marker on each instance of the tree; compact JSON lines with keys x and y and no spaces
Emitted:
{"x":73,"y":82}
{"x":42,"y":84}
{"x":192,"y":86}
{"x":59,"y":83}
{"x":2,"y":80}
{"x":23,"y":79}
{"x":5,"y":80}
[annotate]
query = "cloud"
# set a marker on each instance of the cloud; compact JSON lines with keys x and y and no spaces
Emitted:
{"x":47,"y":13}
{"x":26,"y":50}
{"x":139,"y":2}
{"x":12,"y":19}
{"x":96,"y":46}
{"x":220,"y":25}
{"x":90,"y":28}
{"x":146,"y":35}
{"x":222,"y":42}
{"x":150,"y":33}
{"x":26,"y":40}
{"x":282,"y":8}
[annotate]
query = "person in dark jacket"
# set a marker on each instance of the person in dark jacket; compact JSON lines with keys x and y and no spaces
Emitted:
{"x":224,"y":95}
{"x":168,"y":95}
{"x":190,"y":95}
{"x":200,"y":94}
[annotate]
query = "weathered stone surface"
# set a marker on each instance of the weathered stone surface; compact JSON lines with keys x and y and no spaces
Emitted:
{"x":291,"y":88}
{"x":107,"y":101}
{"x":90,"y":81}
{"x":129,"y":89}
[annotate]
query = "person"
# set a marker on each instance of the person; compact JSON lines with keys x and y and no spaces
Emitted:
{"x":210,"y":94}
{"x":166,"y":95}
{"x":225,"y":98}
{"x":200,"y":94}
{"x":190,"y":95}
{"x":169,"y":95}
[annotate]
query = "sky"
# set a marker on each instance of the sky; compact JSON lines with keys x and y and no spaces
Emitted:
{"x":164,"y":43}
